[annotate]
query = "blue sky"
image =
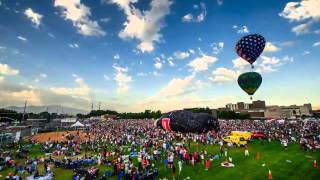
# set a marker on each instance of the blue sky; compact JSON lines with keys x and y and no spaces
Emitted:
{"x":132,"y":55}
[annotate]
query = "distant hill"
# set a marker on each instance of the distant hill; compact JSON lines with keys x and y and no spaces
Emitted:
{"x":51,"y":109}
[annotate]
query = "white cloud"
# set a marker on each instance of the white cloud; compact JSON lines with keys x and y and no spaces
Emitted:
{"x":6,"y":70}
{"x":179,"y":93}
{"x":243,"y":30}
{"x":105,"y":20}
{"x":75,"y":45}
{"x":122,"y":79}
{"x":158,"y":65}
{"x":31,"y":95}
{"x":34,"y":17}
{"x":121,"y":69}
{"x":271,"y":64}
{"x":141,"y":74}
{"x":192,"y":100}
{"x":79,"y":14}
{"x":51,"y":35}
{"x":306,"y":10}
{"x":143,"y":25}
{"x":116,"y":56}
{"x":269,"y":60}
{"x":316,"y":44}
{"x":155,"y":73}
{"x":43,"y":75}
{"x":263,"y":68}
{"x":202,"y":63}
{"x":192,"y":51}
{"x":187,"y":18}
{"x":2,"y":48}
{"x":221,"y":75}
{"x":299,"y":11}
{"x":287,"y":59}
{"x":171,"y":63}
{"x":219,"y":2}
{"x":199,"y":18}
{"x":176,"y":87}
{"x":240,"y":63}
{"x":301,"y":29}
{"x":217,"y":47}
{"x":106,"y":77}
{"x":16,"y":94}
{"x":146,"y":47}
{"x":305,"y":53}
{"x":22,"y":38}
{"x":82,"y":91}
{"x":287,"y":43}
{"x":269,"y":48}
{"x":181,"y":55}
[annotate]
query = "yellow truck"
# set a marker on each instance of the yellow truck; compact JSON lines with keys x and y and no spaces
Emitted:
{"x":244,"y":134}
{"x":236,"y":140}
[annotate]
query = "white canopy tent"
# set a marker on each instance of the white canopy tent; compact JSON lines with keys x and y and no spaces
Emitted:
{"x":77,"y":124}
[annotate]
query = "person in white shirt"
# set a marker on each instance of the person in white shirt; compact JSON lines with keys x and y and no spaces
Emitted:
{"x":180,"y":166}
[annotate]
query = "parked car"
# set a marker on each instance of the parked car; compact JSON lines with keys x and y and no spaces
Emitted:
{"x":258,"y":134}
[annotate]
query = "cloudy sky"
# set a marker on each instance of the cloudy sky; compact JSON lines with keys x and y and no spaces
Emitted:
{"x":132,"y":55}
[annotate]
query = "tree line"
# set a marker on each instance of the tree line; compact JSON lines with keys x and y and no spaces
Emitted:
{"x":9,"y":115}
{"x":126,"y":115}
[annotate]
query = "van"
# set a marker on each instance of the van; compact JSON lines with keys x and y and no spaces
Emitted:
{"x":235,"y":140}
{"x":244,"y":134}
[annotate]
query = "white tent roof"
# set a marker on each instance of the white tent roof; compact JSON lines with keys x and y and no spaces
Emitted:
{"x":77,"y":124}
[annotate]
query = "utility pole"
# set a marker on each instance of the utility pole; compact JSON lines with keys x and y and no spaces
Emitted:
{"x":92,"y":106}
{"x":24,"y":110}
{"x":99,"y":106}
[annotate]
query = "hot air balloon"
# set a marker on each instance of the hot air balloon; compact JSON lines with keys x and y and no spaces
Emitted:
{"x":186,"y":121}
{"x":250,"y":82}
{"x":250,"y":47}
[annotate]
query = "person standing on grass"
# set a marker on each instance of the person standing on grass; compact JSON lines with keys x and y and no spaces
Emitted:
{"x":192,"y":161}
{"x":226,"y":152}
{"x":166,"y":163}
{"x":180,"y":166}
{"x":207,"y":164}
{"x":246,"y":150}
{"x":173,"y":172}
{"x":221,"y":150}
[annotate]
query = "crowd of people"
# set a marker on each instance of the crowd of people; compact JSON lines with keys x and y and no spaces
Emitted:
{"x":135,"y":149}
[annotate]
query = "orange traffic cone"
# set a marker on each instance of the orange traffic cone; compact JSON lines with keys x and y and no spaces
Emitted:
{"x":315,"y":164}
{"x":270,"y":175}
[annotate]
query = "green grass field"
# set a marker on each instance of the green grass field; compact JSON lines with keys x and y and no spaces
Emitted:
{"x":272,"y":155}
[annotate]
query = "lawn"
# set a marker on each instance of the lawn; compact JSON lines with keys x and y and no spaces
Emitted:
{"x":284,"y":164}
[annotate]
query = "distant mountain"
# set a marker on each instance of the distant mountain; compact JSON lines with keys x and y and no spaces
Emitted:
{"x":51,"y":109}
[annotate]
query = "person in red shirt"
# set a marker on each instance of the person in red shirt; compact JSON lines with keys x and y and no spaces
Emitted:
{"x":207,"y":164}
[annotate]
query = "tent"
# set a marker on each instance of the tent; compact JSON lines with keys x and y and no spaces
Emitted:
{"x":77,"y":124}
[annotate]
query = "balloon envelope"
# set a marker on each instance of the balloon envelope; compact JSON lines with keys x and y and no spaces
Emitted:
{"x":186,"y":121}
{"x":250,"y":47}
{"x":250,"y":82}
